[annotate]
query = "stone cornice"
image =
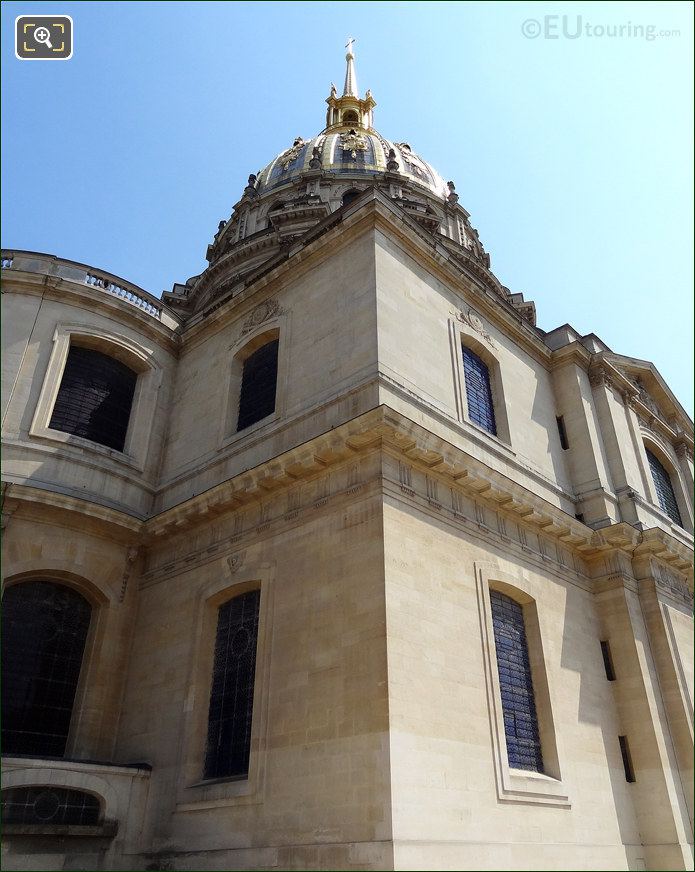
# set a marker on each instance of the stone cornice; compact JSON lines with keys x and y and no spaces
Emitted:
{"x":433,"y":472}
{"x":573,"y":353}
{"x":385,"y":429}
{"x":16,"y":495}
{"x":338,"y":230}
{"x":63,"y":289}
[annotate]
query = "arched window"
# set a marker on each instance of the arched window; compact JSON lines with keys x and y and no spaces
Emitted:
{"x":478,"y":391}
{"x":350,"y":117}
{"x":44,"y":628}
{"x":349,"y":196}
{"x":95,"y":397}
{"x":516,"y":685}
{"x":231,"y":695}
{"x":258,"y":385}
{"x":50,"y":806}
{"x":664,"y":488}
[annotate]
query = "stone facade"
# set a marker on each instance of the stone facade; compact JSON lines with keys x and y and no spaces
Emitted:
{"x":374,"y":516}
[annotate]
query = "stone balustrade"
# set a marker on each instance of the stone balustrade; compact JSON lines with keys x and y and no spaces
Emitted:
{"x":100,"y":281}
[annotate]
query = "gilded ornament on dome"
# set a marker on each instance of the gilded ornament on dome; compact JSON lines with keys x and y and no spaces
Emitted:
{"x":353,"y":142}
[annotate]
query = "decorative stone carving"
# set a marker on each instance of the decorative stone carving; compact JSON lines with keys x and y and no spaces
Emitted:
{"x":130,"y":559}
{"x":290,"y":156}
{"x":683,"y":451}
{"x":263,"y":312}
{"x":673,"y":585}
{"x":235,"y":561}
{"x":315,"y":162}
{"x":392,"y":164}
{"x":474,"y":321}
{"x":453,"y":196}
{"x":599,"y":377}
{"x":353,"y":142}
{"x":250,"y":189}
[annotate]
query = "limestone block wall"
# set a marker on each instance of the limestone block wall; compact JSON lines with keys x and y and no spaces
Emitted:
{"x":452,"y":806}
{"x":318,"y":793}
{"x":100,"y":560}
{"x":422,"y":323}
{"x":40,"y":323}
{"x":325,"y":320}
{"x":586,"y":455}
{"x":123,"y":793}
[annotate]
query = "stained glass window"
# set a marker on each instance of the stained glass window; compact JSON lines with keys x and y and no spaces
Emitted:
{"x":231,"y":696}
{"x":258,"y":385}
{"x":44,"y":628}
{"x":94,"y":398}
{"x":664,"y":488}
{"x":478,"y":391}
{"x":50,"y":806}
{"x":516,"y":685}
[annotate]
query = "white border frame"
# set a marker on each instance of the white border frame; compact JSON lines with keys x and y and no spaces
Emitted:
{"x":517,"y":785}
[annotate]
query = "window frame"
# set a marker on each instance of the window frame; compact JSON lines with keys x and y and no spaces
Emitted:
{"x":124,"y":349}
{"x":520,"y":785}
{"x":674,"y":479}
{"x":85,"y":632}
{"x":79,"y":735}
{"x":193,"y":791}
{"x":239,"y":776}
{"x":276,"y":327}
{"x":460,"y":337}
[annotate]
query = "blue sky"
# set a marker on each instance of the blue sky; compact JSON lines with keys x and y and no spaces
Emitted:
{"x":573,"y":155}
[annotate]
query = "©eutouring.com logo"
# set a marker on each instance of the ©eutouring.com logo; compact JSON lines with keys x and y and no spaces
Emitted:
{"x":43,"y":37}
{"x":575,"y":27}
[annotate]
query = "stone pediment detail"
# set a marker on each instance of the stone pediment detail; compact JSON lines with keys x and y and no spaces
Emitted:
{"x":263,"y":312}
{"x":475,"y":322}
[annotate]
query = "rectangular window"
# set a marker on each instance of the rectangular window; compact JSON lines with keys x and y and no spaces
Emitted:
{"x":258,"y":385}
{"x":231,"y":695}
{"x":516,"y":685}
{"x":627,"y":759}
{"x":478,"y":391}
{"x":563,"y":433}
{"x":607,"y":661}
{"x":95,"y":398}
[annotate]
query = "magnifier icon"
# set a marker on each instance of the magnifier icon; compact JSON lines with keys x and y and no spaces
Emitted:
{"x":43,"y":35}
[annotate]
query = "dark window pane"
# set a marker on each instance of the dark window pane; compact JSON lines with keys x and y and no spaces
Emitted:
{"x":50,"y":806}
{"x":94,"y":398}
{"x":478,"y":392}
{"x":349,"y":196}
{"x":627,"y":759}
{"x":258,"y":385}
{"x":231,"y":695}
{"x":44,"y":628}
{"x":518,"y":702}
{"x":664,"y":488}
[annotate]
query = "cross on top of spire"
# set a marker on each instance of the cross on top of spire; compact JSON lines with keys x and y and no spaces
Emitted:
{"x":349,"y":110}
{"x":350,"y":89}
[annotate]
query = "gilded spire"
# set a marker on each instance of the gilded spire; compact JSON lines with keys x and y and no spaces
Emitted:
{"x":350,"y":89}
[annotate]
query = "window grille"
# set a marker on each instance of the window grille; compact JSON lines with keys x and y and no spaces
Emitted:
{"x":50,"y":806}
{"x":664,"y":488}
{"x":231,"y":696}
{"x":478,"y":391}
{"x":95,"y":398}
{"x":516,"y":685}
{"x":258,"y":385}
{"x":44,"y":628}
